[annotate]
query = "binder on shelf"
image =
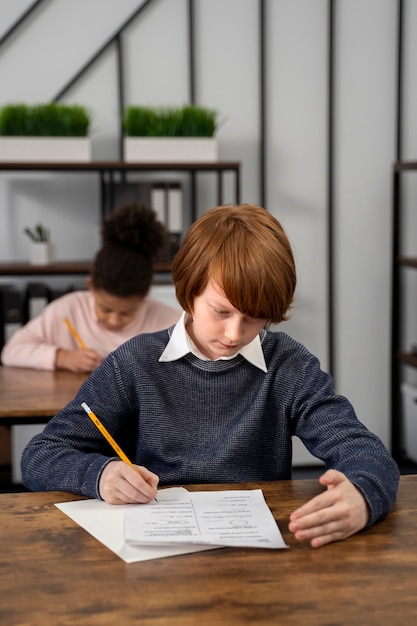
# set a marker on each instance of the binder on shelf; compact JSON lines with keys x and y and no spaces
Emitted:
{"x":175,"y":218}
{"x":11,"y":317}
{"x":37,"y":296}
{"x":167,"y":202}
{"x":165,"y":198}
{"x":120,"y":193}
{"x":158,"y":202}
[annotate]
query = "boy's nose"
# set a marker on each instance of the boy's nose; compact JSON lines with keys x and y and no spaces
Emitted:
{"x":233,"y":331}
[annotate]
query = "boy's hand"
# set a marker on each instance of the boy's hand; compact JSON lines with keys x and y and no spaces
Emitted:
{"x":121,"y":483}
{"x":335,"y":514}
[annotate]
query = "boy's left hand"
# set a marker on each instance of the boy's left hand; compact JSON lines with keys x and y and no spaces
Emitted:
{"x":337,"y":513}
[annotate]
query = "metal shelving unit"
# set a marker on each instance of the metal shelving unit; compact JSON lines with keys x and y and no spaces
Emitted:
{"x":400,"y":357}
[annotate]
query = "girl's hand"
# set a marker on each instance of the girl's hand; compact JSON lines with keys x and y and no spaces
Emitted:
{"x":82,"y":361}
{"x":335,"y":514}
{"x":121,"y":483}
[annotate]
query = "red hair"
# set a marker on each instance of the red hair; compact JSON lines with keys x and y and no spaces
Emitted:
{"x":245,"y":250}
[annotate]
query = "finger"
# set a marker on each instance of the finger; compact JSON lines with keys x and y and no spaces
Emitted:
{"x":322,"y":501}
{"x":150,"y":477}
{"x":123,"y":483}
{"x":144,"y":481}
{"x":324,"y":534}
{"x":331,"y":478}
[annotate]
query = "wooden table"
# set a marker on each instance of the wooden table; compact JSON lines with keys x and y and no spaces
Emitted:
{"x":53,"y":572}
{"x":31,"y":396}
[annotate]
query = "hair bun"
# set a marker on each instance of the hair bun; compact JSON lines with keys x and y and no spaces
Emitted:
{"x":135,"y":226}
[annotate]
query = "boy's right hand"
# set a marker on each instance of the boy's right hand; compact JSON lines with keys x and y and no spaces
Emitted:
{"x":79,"y":361}
{"x":121,"y":483}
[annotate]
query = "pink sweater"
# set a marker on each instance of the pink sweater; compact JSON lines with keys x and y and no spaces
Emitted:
{"x":35,"y":344}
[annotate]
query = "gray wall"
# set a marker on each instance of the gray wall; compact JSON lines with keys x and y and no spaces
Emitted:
{"x":44,"y":55}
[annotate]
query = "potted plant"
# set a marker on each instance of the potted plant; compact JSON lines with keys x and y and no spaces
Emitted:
{"x":44,"y":132}
{"x":40,"y":244}
{"x":170,"y":134}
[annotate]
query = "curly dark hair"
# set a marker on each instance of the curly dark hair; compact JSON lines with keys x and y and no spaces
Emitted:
{"x":132,"y":238}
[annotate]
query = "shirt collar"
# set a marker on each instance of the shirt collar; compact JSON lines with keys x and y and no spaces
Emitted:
{"x":180,"y":344}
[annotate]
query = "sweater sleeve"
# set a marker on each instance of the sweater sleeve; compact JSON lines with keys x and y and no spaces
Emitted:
{"x":327,"y":424}
{"x":29,"y":347}
{"x":71,"y":453}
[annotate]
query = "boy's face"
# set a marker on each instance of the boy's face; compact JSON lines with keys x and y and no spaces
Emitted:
{"x":217,"y":328}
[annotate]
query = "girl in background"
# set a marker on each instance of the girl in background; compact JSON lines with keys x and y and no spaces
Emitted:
{"x":115,"y":307}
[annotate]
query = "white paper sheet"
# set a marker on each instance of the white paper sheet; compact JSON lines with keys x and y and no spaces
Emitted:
{"x":221,"y":518}
{"x":105,"y":522}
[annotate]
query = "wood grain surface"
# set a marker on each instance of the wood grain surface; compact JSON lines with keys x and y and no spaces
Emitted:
{"x":54,"y":572}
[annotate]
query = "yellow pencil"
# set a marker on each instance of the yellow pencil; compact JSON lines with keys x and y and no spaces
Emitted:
{"x":75,"y":334}
{"x":106,"y":434}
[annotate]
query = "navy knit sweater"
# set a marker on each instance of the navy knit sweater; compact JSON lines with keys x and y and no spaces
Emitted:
{"x":195,"y":421}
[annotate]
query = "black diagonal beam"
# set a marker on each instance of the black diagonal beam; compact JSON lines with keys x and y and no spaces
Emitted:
{"x":16,"y":25}
{"x":101,"y":50}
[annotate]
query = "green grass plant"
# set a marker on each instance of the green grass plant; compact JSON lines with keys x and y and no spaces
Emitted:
{"x":44,"y":120}
{"x":186,"y":121}
{"x":38,"y":233}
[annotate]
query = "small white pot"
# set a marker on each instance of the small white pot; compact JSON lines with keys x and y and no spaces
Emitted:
{"x":41,"y":253}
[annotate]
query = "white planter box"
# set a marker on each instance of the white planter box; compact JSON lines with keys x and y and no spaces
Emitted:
{"x":170,"y":150}
{"x":45,"y":149}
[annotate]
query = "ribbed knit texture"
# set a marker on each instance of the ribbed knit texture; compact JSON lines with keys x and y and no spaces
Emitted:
{"x":194,"y":421}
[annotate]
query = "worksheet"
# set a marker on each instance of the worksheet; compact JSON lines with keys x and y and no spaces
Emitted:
{"x":105,"y":522}
{"x":221,"y":518}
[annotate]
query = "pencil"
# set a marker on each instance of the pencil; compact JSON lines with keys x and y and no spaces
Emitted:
{"x":74,"y":334}
{"x":106,"y":433}
{"x":108,"y":436}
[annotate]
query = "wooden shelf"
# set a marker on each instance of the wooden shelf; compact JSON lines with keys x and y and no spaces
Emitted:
{"x":409,"y":358}
{"x":118,"y":166}
{"x":404,"y":165}
{"x":407,"y":261}
{"x":108,"y":173}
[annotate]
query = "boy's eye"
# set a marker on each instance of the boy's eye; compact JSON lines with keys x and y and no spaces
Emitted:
{"x":221,"y":312}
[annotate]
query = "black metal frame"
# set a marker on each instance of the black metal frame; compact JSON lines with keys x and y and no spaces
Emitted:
{"x":399,"y":359}
{"x":396,"y":408}
{"x":396,"y":412}
{"x":107,"y":171}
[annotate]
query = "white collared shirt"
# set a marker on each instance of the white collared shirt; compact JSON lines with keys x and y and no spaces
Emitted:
{"x":181,"y":344}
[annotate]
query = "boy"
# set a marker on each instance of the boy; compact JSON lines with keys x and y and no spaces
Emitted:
{"x":217,"y":397}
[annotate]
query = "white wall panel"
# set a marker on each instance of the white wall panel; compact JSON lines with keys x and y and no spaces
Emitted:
{"x":156,"y":56}
{"x":365,"y":148}
{"x":296,"y":144}
{"x":62,"y":35}
{"x":227,"y":55}
{"x":296,"y":157}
